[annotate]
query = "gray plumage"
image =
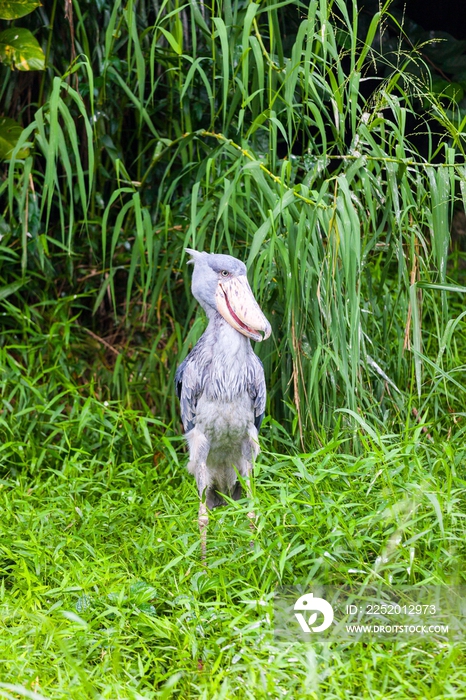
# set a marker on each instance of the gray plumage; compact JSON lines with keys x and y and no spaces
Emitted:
{"x":221,"y":384}
{"x":204,"y":371}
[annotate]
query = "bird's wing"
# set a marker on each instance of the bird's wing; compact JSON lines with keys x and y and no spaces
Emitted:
{"x":257,"y":390}
{"x":189,"y":384}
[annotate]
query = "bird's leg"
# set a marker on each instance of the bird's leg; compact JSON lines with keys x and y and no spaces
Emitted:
{"x":251,"y":514}
{"x":203,"y":521}
{"x":198,"y":451}
{"x":251,"y":450}
{"x":203,"y":517}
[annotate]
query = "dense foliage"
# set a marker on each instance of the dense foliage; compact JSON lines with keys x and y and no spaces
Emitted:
{"x":285,"y":136}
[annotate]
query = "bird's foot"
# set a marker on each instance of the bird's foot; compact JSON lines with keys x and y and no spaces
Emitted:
{"x":203,"y":521}
{"x":252,"y":525}
{"x":203,"y":549}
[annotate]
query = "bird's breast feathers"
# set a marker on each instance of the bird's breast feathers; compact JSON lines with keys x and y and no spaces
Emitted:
{"x":221,"y":375}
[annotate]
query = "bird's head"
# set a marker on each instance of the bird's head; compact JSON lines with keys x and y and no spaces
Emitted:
{"x":220,"y":284}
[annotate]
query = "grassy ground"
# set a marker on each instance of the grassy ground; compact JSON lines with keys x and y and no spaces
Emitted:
{"x":103,"y":594}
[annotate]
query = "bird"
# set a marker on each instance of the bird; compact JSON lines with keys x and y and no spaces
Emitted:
{"x":221,"y":383}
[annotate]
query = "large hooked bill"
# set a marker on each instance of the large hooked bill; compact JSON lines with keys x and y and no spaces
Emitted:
{"x":236,"y":303}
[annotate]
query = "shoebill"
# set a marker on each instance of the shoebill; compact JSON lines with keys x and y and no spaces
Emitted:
{"x":221,"y":384}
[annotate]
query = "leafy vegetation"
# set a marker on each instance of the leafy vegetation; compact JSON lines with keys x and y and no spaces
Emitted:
{"x":317,"y":144}
{"x":103,"y":593}
{"x":297,"y":151}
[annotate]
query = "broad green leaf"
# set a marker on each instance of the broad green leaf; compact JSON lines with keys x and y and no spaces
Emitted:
{"x":10,"y":131}
{"x":14,"y":9}
{"x":11,"y":288}
{"x":367,"y":45}
{"x":443,"y":287}
{"x":172,"y":41}
{"x":19,"y":49}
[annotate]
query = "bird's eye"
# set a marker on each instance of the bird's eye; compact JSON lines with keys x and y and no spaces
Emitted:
{"x":225,"y":273}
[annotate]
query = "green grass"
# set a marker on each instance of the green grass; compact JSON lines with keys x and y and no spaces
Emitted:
{"x":103,"y":594}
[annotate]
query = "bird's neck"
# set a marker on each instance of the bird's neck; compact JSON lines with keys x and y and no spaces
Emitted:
{"x":229,"y":344}
{"x":229,"y":359}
